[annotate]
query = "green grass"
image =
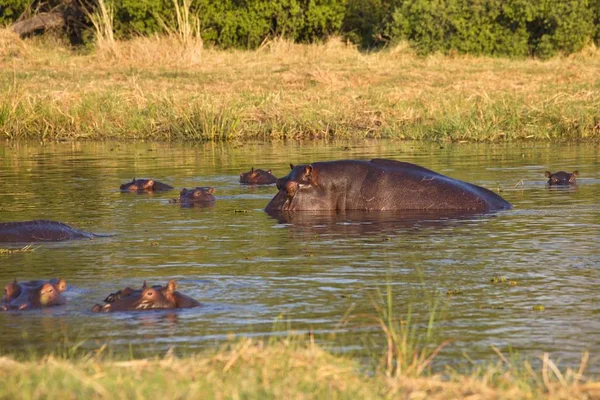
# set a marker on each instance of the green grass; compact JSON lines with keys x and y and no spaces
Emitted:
{"x":159,"y":89}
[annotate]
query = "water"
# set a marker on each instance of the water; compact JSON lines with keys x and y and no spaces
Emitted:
{"x":257,"y":276}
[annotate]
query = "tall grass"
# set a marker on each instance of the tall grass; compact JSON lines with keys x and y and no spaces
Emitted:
{"x":102,"y":18}
{"x":160,"y":88}
{"x":185,"y":31}
{"x":408,"y":351}
{"x":291,"y":368}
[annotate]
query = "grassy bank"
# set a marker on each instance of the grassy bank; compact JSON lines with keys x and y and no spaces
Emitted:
{"x":287,"y":369}
{"x":157,"y":88}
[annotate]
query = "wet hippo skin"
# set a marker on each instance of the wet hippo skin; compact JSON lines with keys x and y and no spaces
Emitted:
{"x":42,"y":231}
{"x":377,"y":185}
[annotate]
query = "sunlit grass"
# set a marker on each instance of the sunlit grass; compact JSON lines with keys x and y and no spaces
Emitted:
{"x":292,"y":367}
{"x":155,"y":88}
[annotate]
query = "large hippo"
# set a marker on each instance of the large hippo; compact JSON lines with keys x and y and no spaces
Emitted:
{"x":145,"y":185}
{"x":561,"y":178}
{"x":146,"y":298}
{"x":201,"y":196}
{"x":41,"y":230}
{"x":33,"y":294}
{"x":258,"y":177}
{"x":377,"y":185}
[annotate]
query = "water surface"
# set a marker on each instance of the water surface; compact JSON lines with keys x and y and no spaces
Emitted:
{"x":255,"y":274}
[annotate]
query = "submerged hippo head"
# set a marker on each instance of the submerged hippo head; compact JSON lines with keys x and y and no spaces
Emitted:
{"x":50,"y":294}
{"x":152,"y":297}
{"x":200,"y":195}
{"x":561,"y":177}
{"x":300,"y":190}
{"x":33,"y":294}
{"x":144,"y":185}
{"x":258,"y":177}
{"x":146,"y":298}
{"x":11,"y":292}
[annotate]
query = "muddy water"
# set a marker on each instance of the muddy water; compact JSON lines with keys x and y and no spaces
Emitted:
{"x":256,"y":275}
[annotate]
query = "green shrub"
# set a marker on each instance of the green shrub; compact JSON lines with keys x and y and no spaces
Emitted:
{"x":365,"y":21}
{"x":516,"y":28}
{"x":494,"y":27}
{"x":11,"y":10}
{"x":139,"y":17}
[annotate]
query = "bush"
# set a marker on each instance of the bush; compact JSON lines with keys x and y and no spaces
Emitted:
{"x":494,"y":27}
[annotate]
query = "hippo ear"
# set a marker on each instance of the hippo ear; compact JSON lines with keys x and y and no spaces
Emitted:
{"x":210,"y":190}
{"x":573,"y":176}
{"x":291,"y":166}
{"x":171,"y":286}
{"x":252,"y":171}
{"x":61,"y":285}
{"x":133,"y":180}
{"x":149,"y":184}
{"x":548,"y":174}
{"x":308,"y":172}
{"x":144,"y":285}
{"x":183,"y":191}
{"x":269,"y":171}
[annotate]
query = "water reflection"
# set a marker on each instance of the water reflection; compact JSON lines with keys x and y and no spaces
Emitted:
{"x":357,"y":223}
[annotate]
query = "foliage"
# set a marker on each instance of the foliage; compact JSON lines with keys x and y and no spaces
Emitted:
{"x":516,"y":28}
{"x":494,"y":27}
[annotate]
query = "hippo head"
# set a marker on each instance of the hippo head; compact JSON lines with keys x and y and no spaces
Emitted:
{"x":11,"y":292}
{"x":51,"y":293}
{"x":139,"y":185}
{"x":197,"y":195}
{"x":153,"y":297}
{"x":561,"y":177}
{"x":299,"y":190}
{"x":258,"y":176}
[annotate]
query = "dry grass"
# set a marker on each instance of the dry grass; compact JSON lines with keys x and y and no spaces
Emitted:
{"x":26,"y":249}
{"x":250,"y":369}
{"x":162,"y":88}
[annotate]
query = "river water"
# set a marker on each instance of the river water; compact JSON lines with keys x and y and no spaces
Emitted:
{"x":255,"y":275}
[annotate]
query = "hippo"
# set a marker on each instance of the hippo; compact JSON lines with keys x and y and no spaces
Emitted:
{"x":146,"y":298}
{"x":41,"y":230}
{"x":258,"y":177}
{"x":377,"y":185}
{"x":561,"y":178}
{"x":201,"y":196}
{"x":145,"y":185}
{"x":33,"y":294}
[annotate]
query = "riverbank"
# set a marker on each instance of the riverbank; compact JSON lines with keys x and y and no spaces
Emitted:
{"x":157,"y":89}
{"x":287,"y":369}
